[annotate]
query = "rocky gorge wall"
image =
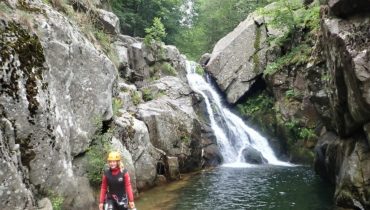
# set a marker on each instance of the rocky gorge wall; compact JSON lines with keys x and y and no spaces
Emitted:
{"x":315,"y":102}
{"x":343,"y":153}
{"x":58,"y":86}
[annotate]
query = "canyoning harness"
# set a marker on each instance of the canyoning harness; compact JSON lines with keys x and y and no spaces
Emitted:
{"x":116,"y":193}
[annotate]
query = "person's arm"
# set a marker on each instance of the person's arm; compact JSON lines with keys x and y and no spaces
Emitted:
{"x":103,"y":191}
{"x":128,"y":189}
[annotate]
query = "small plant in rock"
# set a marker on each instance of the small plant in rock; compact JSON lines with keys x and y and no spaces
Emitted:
{"x":289,"y":94}
{"x":116,"y":105}
{"x":185,"y":139}
{"x":168,"y":69}
{"x":255,"y":105}
{"x":307,"y":133}
{"x":97,"y":153}
{"x":147,"y":94}
{"x":104,"y":39}
{"x":199,"y":70}
{"x":56,"y":200}
{"x":135,"y":97}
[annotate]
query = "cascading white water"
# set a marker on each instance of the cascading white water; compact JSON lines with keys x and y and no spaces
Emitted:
{"x":233,"y":135}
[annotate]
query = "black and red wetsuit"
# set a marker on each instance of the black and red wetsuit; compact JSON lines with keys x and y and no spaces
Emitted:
{"x":117,"y":183}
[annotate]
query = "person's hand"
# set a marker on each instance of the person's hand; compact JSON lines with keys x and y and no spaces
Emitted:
{"x":101,"y":206}
{"x":131,"y":204}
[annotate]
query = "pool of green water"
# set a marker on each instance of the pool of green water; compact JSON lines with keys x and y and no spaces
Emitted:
{"x":261,"y":187}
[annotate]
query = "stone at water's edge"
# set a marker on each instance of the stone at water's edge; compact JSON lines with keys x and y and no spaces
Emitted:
{"x":171,"y":125}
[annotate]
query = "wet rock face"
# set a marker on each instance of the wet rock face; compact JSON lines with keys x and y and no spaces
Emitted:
{"x":345,"y":8}
{"x":48,"y":106}
{"x":345,"y":162}
{"x":343,"y":156}
{"x":346,"y":47}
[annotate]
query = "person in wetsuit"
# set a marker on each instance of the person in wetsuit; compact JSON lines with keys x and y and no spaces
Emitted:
{"x":116,"y":192}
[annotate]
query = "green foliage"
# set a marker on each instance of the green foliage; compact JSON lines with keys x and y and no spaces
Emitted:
{"x":136,"y":15}
{"x":135,"y":97}
{"x":298,"y":131}
{"x":4,"y":8}
{"x":155,"y":33}
{"x":103,"y":38}
{"x":147,"y":94}
{"x":291,"y":93}
{"x":292,"y":124}
{"x":199,"y":70}
{"x":307,"y":133}
{"x":168,"y":69}
{"x":299,"y":55}
{"x":56,"y":200}
{"x":282,"y":14}
{"x":258,"y":111}
{"x":325,"y":77}
{"x":185,"y":139}
{"x":295,"y":18}
{"x":97,"y":153}
{"x":212,"y":20}
{"x":291,"y":15}
{"x":116,"y":105}
{"x":256,"y":105}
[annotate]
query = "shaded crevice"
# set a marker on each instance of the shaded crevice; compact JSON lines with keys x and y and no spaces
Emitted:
{"x":258,"y":85}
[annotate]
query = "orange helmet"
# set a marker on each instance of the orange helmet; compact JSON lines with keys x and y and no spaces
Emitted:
{"x":114,"y":156}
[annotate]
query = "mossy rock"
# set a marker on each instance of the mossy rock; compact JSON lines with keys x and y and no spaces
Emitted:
{"x":17,"y":43}
{"x":300,"y":154}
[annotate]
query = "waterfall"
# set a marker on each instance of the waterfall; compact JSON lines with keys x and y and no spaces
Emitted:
{"x":232,"y":134}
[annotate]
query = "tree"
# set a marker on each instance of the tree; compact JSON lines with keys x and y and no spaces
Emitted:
{"x":155,"y":33}
{"x":212,"y":20}
{"x":137,"y":15}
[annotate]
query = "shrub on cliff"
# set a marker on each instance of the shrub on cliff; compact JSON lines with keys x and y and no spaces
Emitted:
{"x":155,"y":33}
{"x":97,"y":153}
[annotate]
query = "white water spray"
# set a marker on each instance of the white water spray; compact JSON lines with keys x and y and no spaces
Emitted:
{"x":232,"y":134}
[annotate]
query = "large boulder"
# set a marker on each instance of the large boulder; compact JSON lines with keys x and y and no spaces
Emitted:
{"x":172,"y":122}
{"x":253,"y":156}
{"x":134,"y":136}
{"x":108,"y":21}
{"x":240,"y":57}
{"x":51,"y":103}
{"x":346,"y":44}
{"x":171,"y":125}
{"x":154,"y":61}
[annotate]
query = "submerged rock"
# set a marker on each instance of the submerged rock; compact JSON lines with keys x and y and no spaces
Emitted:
{"x":253,"y":156}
